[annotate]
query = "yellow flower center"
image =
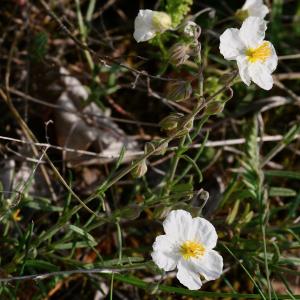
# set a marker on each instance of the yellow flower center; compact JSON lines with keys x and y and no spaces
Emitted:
{"x":16,"y":215}
{"x":191,"y":249}
{"x":260,"y":53}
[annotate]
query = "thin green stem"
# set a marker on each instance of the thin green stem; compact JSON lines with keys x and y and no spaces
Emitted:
{"x":83,"y":33}
{"x":175,"y":164}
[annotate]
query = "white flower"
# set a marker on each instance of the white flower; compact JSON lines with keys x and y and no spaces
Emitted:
{"x":256,"y":58}
{"x":188,"y":245}
{"x":253,"y":8}
{"x":148,"y":23}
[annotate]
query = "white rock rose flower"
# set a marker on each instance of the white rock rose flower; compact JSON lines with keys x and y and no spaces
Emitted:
{"x":256,"y":58}
{"x":188,"y":245}
{"x":253,"y":8}
{"x":148,"y":23}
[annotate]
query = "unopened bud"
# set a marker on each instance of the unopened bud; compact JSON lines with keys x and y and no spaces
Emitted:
{"x":179,"y":53}
{"x":203,"y":195}
{"x":140,"y":170}
{"x":161,"y":147}
{"x":179,"y":91}
{"x":171,"y":122}
{"x":187,"y":125}
{"x":182,"y":132}
{"x":161,"y":21}
{"x":192,"y":30}
{"x":214,"y":108}
{"x":149,"y":147}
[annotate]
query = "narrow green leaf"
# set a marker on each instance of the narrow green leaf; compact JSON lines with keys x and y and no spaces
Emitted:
{"x":281,"y":192}
{"x":80,"y":231}
{"x":191,"y":161}
{"x":71,"y":245}
{"x":285,"y":174}
{"x":41,"y":264}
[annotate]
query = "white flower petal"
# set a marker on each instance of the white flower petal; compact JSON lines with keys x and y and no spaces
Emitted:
{"x":231,"y":45}
{"x":143,"y":26}
{"x":165,"y":253}
{"x":142,"y":36}
{"x":242,"y":63}
{"x":250,"y":3}
{"x":210,"y":265}
{"x":177,"y":224}
{"x":252,"y":32}
{"x":256,"y":8}
{"x":187,"y":276}
{"x":204,"y":232}
{"x":259,"y":12}
{"x":260,"y":75}
{"x":272,"y":61}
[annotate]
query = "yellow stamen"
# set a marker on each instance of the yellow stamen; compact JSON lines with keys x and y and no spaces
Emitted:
{"x":16,"y":215}
{"x":260,"y":53}
{"x":192,"y":249}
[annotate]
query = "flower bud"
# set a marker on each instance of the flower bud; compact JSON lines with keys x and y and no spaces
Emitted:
{"x":181,"y":133}
{"x":179,"y":91}
{"x":214,"y":108}
{"x":161,"y":21}
{"x":179,"y":53}
{"x":161,"y":150}
{"x":203,"y":195}
{"x":171,"y":122}
{"x":140,"y":170}
{"x":192,"y":30}
{"x":149,"y":147}
{"x":187,"y":125}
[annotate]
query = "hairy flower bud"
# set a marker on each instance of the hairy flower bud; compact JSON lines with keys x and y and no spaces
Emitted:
{"x":149,"y":147}
{"x":179,"y":53}
{"x":203,"y":195}
{"x":192,"y":30}
{"x":214,"y":108}
{"x":171,"y":122}
{"x":187,"y":125}
{"x":179,"y":91}
{"x":140,"y":170}
{"x":160,"y":150}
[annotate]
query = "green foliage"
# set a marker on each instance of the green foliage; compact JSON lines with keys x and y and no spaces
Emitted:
{"x":276,"y":27}
{"x":39,"y":47}
{"x":296,"y":20}
{"x":252,"y":175}
{"x":254,"y":196}
{"x":178,"y":9}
